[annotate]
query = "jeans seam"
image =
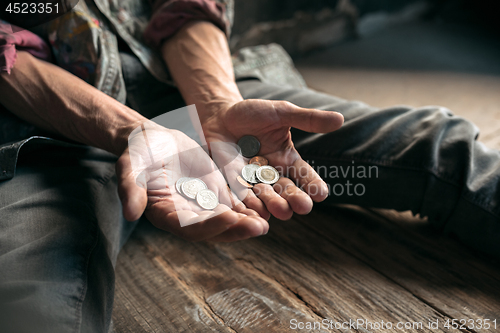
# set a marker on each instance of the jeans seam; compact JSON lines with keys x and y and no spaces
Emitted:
{"x":480,"y":205}
{"x":79,"y":308}
{"x":81,"y":298}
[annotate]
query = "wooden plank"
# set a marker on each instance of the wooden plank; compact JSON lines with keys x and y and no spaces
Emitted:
{"x":329,"y":280}
{"x":430,"y":239}
{"x":152,"y":296}
{"x":437,"y":270}
{"x":258,"y":285}
{"x":149,"y":298}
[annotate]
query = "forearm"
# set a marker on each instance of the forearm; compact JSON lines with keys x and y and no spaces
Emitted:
{"x":199,"y":60}
{"x":53,"y":99}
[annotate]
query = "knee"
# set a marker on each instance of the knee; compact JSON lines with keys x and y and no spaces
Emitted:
{"x":440,"y":121}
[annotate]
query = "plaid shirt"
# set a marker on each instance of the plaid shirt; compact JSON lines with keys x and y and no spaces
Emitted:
{"x":84,"y":41}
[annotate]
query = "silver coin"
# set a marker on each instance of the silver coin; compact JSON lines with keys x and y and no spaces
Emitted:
{"x":267,"y":174}
{"x":191,"y":187}
{"x":207,"y":199}
{"x":248,"y":173}
{"x":179,"y":182}
{"x":249,"y":145}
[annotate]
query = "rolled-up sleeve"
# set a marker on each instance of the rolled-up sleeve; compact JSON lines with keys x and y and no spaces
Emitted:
{"x":21,"y":40}
{"x":170,"y":15}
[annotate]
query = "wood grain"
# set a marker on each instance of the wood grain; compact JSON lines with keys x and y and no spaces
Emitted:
{"x":434,"y":268}
{"x":165,"y":284}
{"x":187,"y":287}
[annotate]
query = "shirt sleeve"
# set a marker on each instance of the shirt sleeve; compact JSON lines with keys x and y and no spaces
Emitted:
{"x":21,"y":40}
{"x":170,"y":15}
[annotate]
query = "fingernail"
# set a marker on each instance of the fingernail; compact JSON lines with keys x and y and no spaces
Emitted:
{"x":266,"y":228}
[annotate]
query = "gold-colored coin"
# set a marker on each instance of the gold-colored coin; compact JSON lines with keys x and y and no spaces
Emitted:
{"x":259,"y":160}
{"x":243,"y":182}
{"x":267,"y":174}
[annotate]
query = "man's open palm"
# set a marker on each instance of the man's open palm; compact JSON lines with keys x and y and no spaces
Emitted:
{"x":270,"y":123}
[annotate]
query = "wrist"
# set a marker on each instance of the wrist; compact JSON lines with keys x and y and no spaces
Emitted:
{"x":208,"y":110}
{"x":127,"y":121}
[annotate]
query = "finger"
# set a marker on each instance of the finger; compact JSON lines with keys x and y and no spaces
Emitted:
{"x":244,"y":229}
{"x":239,"y":206}
{"x":228,"y":155}
{"x":300,"y":202}
{"x":276,"y":205}
{"x":133,"y":197}
{"x":256,"y":204}
{"x":252,"y":226}
{"x":308,"y":179}
{"x":201,"y":225}
{"x":309,"y":120}
{"x":227,"y":197}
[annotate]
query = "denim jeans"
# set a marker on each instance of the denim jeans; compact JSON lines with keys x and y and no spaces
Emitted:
{"x":61,"y":226}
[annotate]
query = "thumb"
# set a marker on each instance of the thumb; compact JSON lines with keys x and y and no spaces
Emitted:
{"x":133,"y":197}
{"x":309,"y":120}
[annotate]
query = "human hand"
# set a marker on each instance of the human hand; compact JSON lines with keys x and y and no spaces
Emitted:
{"x":270,"y":123}
{"x":147,"y":172}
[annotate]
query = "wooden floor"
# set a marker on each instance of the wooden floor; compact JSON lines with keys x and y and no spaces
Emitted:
{"x":339,"y":263}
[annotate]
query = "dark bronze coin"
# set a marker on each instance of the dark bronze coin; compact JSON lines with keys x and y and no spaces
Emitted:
{"x":249,"y":145}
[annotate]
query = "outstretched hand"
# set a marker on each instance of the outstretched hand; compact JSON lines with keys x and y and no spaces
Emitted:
{"x":147,"y":172}
{"x":270,"y":123}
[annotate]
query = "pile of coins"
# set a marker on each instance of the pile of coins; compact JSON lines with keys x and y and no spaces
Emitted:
{"x":258,"y":169}
{"x":196,"y":189}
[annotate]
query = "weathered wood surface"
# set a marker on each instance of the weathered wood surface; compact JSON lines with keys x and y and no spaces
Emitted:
{"x":434,"y":268}
{"x":339,"y":263}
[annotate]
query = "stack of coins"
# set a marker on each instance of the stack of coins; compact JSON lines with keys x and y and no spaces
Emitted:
{"x":196,"y":189}
{"x":258,"y":169}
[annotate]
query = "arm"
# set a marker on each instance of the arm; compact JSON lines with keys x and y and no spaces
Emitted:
{"x":57,"y":101}
{"x":199,"y":60}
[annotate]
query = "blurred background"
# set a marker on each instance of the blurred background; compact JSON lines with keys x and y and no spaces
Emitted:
{"x":389,"y":52}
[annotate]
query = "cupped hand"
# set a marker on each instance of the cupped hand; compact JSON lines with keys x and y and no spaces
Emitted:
{"x":270,"y":123}
{"x":147,"y":172}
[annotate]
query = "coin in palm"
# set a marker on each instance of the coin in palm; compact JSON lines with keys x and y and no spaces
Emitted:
{"x":179,"y":182}
{"x":243,"y":182}
{"x":249,"y":146}
{"x":259,"y":160}
{"x":267,"y":174}
{"x":248,"y":173}
{"x":207,"y":199}
{"x":191,"y":187}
